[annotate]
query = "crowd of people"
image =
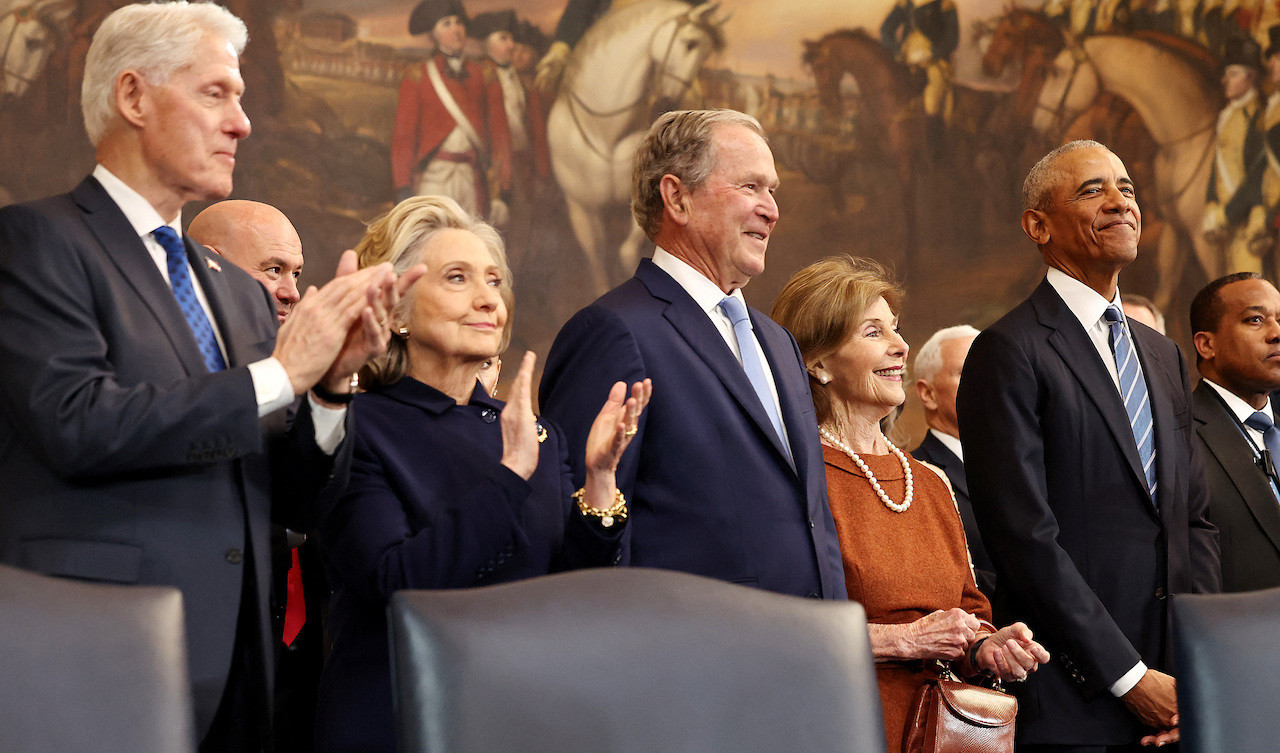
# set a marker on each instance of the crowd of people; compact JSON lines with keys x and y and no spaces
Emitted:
{"x":169,"y":396}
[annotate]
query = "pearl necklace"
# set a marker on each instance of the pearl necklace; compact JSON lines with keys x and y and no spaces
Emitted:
{"x":875,"y":484}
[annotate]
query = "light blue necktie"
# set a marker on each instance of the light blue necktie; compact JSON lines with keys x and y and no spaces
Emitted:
{"x":183,"y":289}
{"x":1133,"y":389}
{"x":1271,"y":439}
{"x":737,"y":313}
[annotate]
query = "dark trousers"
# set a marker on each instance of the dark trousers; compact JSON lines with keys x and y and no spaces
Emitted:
{"x":241,"y":725}
{"x":1130,"y":748}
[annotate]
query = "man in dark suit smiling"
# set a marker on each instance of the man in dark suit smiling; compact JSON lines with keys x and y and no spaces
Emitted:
{"x":1082,"y":470}
{"x":726,"y":477}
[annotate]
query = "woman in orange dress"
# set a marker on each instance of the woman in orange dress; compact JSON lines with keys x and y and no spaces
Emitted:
{"x":905,"y":557}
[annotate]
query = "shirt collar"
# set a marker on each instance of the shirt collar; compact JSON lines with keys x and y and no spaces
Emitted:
{"x":1084,"y":301}
{"x":950,"y":442}
{"x":1236,"y":405}
{"x":701,"y":289}
{"x":137,"y":210}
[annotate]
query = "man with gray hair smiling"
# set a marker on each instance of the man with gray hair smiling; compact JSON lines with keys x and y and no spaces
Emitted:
{"x":1083,"y":470}
{"x":726,"y":476}
{"x":937,"y":370}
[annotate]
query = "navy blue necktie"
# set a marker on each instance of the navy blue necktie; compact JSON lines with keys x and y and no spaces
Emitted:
{"x":1270,"y":438}
{"x":737,"y":313}
{"x":184,"y":290}
{"x":1133,"y":389}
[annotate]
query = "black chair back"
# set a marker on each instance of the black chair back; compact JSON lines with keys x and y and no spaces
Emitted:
{"x":1228,"y":670}
{"x":630,"y":660}
{"x":92,"y":667}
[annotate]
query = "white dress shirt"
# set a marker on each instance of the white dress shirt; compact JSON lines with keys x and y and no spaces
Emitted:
{"x":708,"y":295}
{"x":271,"y":386}
{"x":1088,"y":306}
{"x":1242,"y":410}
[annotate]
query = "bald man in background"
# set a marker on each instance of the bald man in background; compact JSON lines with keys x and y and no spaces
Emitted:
{"x":259,"y":239}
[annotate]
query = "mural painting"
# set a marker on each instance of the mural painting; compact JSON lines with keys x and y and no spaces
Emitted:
{"x":902,"y":128}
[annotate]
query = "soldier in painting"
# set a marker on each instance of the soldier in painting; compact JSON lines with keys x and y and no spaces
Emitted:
{"x":451,"y":136}
{"x":924,"y":34}
{"x":1234,"y":217}
{"x":525,"y":113}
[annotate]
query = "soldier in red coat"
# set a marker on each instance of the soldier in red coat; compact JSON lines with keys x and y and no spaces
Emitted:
{"x":525,"y":112}
{"x":451,"y":136}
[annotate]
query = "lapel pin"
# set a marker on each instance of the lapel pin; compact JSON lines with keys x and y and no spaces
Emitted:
{"x":213,"y":265}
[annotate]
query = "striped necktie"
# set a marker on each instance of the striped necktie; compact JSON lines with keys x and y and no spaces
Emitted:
{"x":185,"y":291}
{"x":1133,"y":389}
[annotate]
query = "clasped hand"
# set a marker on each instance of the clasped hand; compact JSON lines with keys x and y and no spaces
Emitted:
{"x":946,"y":635}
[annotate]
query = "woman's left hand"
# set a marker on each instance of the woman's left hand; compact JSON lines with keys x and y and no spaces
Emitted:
{"x":1010,"y":653}
{"x":615,"y":425}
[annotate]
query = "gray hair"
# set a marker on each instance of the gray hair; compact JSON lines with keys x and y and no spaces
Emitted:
{"x":679,"y":143}
{"x":157,"y":40}
{"x":1039,"y":181}
{"x":929,"y":357}
{"x":399,"y":237}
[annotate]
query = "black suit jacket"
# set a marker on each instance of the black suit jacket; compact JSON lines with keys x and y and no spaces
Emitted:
{"x":1241,"y":503}
{"x":932,"y":451}
{"x":710,"y":489}
{"x":1084,"y":556}
{"x":124,"y":460}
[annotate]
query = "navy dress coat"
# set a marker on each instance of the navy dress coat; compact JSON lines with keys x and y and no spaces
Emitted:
{"x":1241,"y":502}
{"x":124,"y":460}
{"x":710,"y":488}
{"x":1084,"y":556}
{"x":430,"y":505}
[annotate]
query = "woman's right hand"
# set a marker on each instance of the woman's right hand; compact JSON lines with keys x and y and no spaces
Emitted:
{"x":519,"y":427}
{"x":944,"y":635}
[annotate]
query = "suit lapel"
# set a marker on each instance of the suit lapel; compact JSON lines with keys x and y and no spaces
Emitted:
{"x":121,"y":244}
{"x":792,"y":384}
{"x":1226,"y":440}
{"x":1075,"y":348}
{"x":945,"y":459}
{"x":693,"y":325}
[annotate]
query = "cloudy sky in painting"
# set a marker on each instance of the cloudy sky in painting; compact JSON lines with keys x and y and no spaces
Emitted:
{"x":763,"y":36}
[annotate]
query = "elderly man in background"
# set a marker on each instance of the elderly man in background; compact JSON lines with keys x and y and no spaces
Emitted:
{"x":937,"y":370}
{"x":726,"y":476}
{"x":1140,"y":308}
{"x":1083,"y":470}
{"x":135,"y":368}
{"x":1235,"y":324}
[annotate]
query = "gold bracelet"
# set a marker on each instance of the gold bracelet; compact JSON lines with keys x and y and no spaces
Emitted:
{"x":607,"y":517}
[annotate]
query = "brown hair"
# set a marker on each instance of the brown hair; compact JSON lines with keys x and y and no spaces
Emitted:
{"x":822,"y":305}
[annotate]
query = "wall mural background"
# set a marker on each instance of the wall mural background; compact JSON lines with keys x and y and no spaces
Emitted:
{"x":863,"y":169}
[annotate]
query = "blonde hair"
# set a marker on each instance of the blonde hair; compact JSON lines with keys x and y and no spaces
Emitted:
{"x":399,"y":237}
{"x":822,"y":305}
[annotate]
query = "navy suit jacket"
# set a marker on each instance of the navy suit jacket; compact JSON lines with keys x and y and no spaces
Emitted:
{"x":1084,"y":556}
{"x":710,"y":488}
{"x":1241,"y":503}
{"x":934,"y":452}
{"x":124,"y":460}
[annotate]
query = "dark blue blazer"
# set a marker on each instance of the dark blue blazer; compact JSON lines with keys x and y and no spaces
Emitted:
{"x":124,"y":460}
{"x":430,"y":505}
{"x":710,"y":489}
{"x":1083,"y":555}
{"x":933,"y":451}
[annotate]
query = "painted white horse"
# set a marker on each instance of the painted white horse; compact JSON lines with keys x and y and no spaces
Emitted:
{"x":28,"y":32}
{"x":1178,"y":105}
{"x":634,"y":56}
